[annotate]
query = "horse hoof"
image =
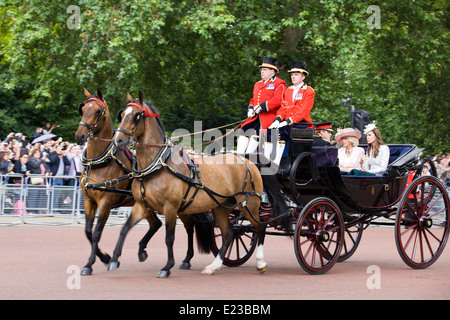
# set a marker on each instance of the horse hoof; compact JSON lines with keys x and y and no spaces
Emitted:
{"x":262,"y":269}
{"x":143,"y":256}
{"x":208,"y":272}
{"x":113,"y":265}
{"x":86,"y":271}
{"x":163,"y":274}
{"x":185,"y":265}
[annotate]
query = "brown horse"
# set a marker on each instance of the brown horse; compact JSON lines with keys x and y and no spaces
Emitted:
{"x":101,"y":163}
{"x":165,"y":183}
{"x":104,"y":167}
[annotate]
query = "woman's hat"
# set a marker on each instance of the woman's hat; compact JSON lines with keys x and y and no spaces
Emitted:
{"x":347,"y":132}
{"x":299,"y":66}
{"x":370,"y":127}
{"x":269,"y":62}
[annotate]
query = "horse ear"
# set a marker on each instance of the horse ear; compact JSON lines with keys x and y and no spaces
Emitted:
{"x":87,"y":93}
{"x":141,"y":98}
{"x":99,"y":94}
{"x":129,"y":97}
{"x":119,"y":115}
{"x":141,"y":102}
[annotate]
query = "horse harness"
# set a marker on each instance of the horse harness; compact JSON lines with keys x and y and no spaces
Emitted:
{"x":193,"y":180}
{"x":100,"y":161}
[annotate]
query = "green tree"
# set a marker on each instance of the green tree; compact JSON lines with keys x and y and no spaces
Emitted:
{"x":198,"y":60}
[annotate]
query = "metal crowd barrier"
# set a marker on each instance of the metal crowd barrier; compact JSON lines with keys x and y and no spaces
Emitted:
{"x":49,"y":200}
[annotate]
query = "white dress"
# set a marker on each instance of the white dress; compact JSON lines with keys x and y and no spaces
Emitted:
{"x":379,"y":164}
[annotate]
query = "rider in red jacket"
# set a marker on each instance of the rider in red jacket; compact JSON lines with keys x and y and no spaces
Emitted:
{"x":262,"y":110}
{"x":296,"y":107}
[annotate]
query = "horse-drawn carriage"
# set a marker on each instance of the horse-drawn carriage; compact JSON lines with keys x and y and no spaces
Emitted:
{"x":329,"y":211}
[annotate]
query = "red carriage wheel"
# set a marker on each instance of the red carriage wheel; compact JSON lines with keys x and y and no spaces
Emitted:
{"x":243,"y":244}
{"x":422,"y":224}
{"x":319,"y":236}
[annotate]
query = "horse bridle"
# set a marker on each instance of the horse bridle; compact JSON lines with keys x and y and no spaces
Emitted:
{"x":139,"y":116}
{"x":82,"y":123}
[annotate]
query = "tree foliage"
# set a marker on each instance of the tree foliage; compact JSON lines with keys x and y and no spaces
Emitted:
{"x":198,"y":60}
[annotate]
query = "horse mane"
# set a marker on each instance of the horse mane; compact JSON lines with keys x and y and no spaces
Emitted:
{"x":158,"y":119}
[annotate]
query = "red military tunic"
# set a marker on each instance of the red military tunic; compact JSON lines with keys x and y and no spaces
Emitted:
{"x":296,"y":107}
{"x":269,"y":96}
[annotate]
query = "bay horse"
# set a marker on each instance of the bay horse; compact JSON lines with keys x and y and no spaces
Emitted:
{"x":100,"y":163}
{"x":166,"y":183}
{"x":105,"y":166}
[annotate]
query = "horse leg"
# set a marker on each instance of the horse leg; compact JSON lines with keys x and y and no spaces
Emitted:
{"x":95,"y":239}
{"x":87,"y":269}
{"x":170,"y":238}
{"x":261,"y":265}
{"x":154,"y":224}
{"x":137,"y":214}
{"x":251,"y":212}
{"x":222,"y":220}
{"x":189,"y":226}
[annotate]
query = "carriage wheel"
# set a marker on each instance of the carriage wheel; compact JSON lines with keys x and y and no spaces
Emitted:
{"x":422,"y":224}
{"x":243,"y":244}
{"x":352,"y":237}
{"x":318,"y":236}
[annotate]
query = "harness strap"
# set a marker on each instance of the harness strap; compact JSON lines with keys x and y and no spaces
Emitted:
{"x":193,"y":168}
{"x":212,"y":194}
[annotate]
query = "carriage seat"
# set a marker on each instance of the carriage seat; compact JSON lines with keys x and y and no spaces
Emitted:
{"x":400,"y":156}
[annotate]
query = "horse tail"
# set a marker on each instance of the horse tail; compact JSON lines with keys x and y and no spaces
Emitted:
{"x":277,"y":201}
{"x":203,"y":231}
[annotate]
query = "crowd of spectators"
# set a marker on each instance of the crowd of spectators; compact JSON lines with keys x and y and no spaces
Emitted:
{"x":21,"y":158}
{"x":20,"y":155}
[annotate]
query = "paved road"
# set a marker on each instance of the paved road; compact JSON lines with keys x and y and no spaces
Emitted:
{"x":41,"y":262}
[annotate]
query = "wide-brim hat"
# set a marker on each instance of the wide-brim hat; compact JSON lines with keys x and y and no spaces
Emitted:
{"x":269,"y":62}
{"x":325,"y":126}
{"x":347,"y":132}
{"x":299,"y":66}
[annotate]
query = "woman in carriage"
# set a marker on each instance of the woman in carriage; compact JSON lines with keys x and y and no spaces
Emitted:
{"x":377,"y":157}
{"x":350,"y":155}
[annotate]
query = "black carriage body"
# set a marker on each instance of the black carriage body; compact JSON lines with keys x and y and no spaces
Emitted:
{"x":309,"y":172}
{"x":357,"y":194}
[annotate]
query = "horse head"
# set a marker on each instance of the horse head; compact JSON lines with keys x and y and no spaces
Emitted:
{"x":132,"y":120}
{"x":93,"y":111}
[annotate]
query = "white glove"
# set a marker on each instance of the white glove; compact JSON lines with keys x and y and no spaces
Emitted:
{"x":274,"y":125}
{"x":257,"y":109}
{"x":284,"y":123}
{"x":250,"y":113}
